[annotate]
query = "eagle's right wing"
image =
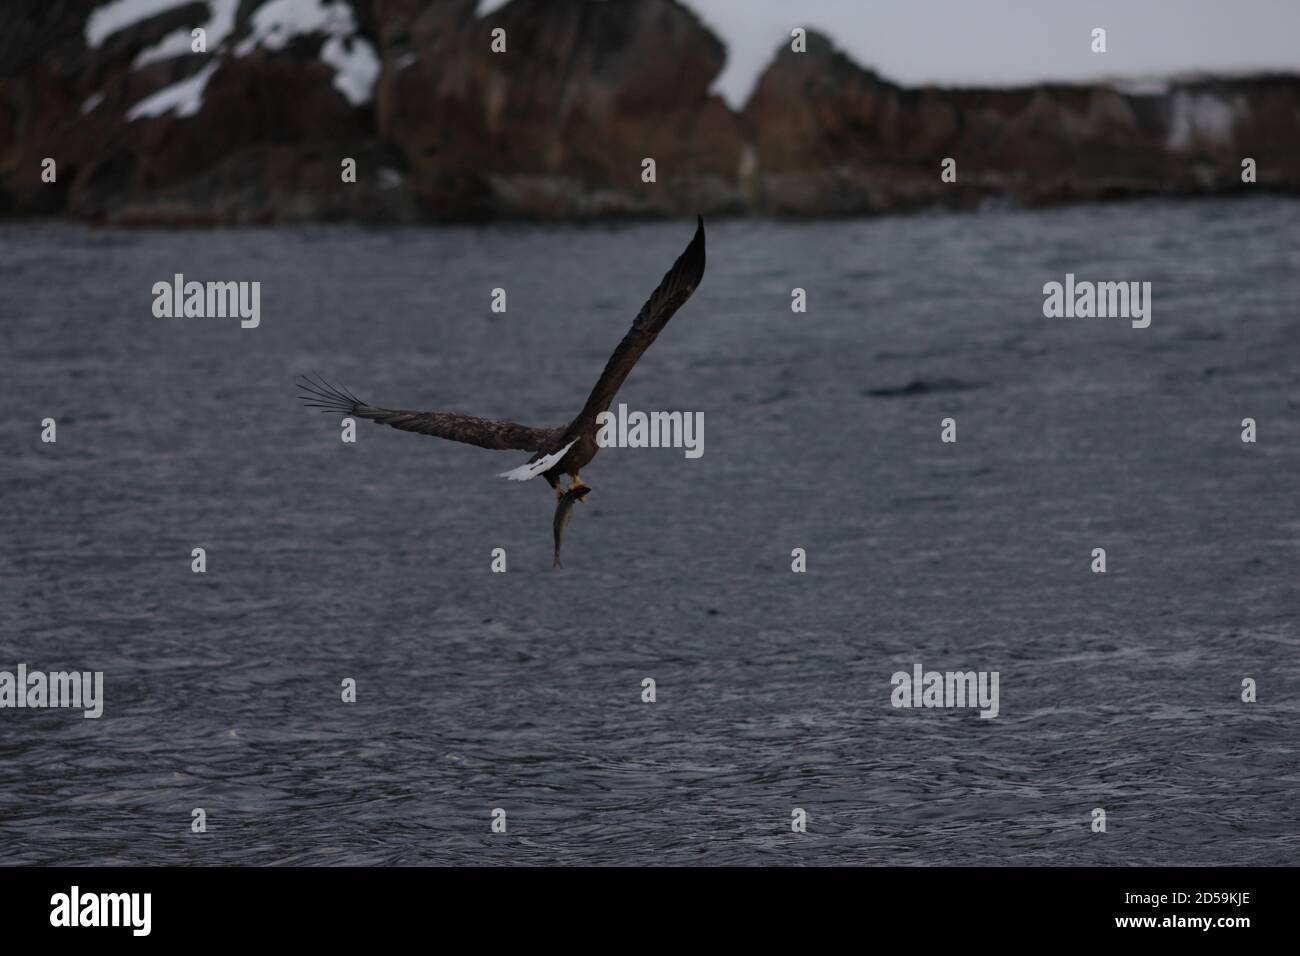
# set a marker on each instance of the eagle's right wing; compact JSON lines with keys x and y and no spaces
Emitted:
{"x":670,"y":295}
{"x":483,"y":432}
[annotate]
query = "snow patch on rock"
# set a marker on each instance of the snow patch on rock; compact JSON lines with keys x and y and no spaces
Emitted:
{"x":272,"y":25}
{"x":356,"y":67}
{"x":1200,"y":118}
{"x":185,"y":97}
{"x":104,"y":21}
{"x":355,"y":63}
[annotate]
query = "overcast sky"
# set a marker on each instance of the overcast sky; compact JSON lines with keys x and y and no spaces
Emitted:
{"x":980,"y":42}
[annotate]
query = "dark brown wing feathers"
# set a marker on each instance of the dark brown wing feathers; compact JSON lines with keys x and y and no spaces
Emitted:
{"x":673,"y":291}
{"x":483,"y":432}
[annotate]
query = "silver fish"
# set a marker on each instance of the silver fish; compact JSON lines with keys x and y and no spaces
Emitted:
{"x":563,"y":512}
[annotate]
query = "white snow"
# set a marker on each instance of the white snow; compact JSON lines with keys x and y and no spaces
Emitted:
{"x":185,"y":97}
{"x":120,"y":14}
{"x":276,"y":22}
{"x":355,"y":63}
{"x":173,"y":44}
{"x":221,"y":21}
{"x":356,"y":66}
{"x":272,"y":25}
{"x":1200,"y":117}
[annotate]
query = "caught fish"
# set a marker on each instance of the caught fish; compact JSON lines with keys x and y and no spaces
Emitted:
{"x":563,"y":512}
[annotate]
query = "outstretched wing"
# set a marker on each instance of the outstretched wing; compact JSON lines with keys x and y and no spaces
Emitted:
{"x":674,"y":289}
{"x":484,"y":432}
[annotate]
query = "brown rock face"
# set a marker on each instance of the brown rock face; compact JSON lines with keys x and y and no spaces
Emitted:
{"x":71,"y":102}
{"x":560,"y":123}
{"x":832,"y":138}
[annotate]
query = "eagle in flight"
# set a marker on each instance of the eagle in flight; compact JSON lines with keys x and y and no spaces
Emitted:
{"x":564,"y":449}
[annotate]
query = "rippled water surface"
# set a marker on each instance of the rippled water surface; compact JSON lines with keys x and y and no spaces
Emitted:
{"x":523,"y":690}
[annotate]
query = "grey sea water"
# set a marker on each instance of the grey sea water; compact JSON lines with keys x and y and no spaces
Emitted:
{"x":522,"y":690}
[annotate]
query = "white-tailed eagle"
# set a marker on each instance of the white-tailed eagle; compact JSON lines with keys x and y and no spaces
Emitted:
{"x":558,"y":451}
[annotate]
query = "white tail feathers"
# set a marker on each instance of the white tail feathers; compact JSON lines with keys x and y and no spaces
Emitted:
{"x":534,"y":468}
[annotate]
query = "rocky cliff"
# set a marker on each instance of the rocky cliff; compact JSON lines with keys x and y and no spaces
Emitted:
{"x":832,"y":137}
{"x":239,"y":111}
